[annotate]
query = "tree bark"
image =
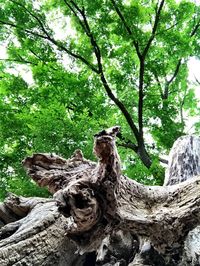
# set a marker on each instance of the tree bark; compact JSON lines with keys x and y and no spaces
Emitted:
{"x":183,"y":165}
{"x":98,"y":216}
{"x":36,"y":234}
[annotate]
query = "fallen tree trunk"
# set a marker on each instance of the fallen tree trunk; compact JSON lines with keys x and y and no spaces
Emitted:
{"x":108,"y":217}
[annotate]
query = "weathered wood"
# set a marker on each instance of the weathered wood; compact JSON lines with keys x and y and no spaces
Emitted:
{"x":101,"y":210}
{"x":99,"y":200}
{"x":184,"y":160}
{"x":36,"y":236}
{"x":184,"y":164}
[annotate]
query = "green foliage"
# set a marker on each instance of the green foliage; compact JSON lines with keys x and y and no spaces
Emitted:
{"x":67,"y":103}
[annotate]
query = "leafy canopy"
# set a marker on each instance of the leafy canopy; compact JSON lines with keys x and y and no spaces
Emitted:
{"x":95,"y":64}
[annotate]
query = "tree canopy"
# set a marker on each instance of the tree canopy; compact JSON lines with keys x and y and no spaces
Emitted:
{"x":95,"y":64}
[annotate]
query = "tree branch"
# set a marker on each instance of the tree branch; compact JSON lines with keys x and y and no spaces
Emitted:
{"x":162,"y":160}
{"x":127,"y":143}
{"x":197,"y":80}
{"x":8,"y":23}
{"x":159,"y":84}
{"x":36,"y":55}
{"x":121,"y":107}
{"x":169,"y":28}
{"x":128,"y":29}
{"x":141,"y":75}
{"x":154,"y":29}
{"x":21,"y":61}
{"x":140,"y":140}
{"x":175,"y":72}
{"x":194,"y":31}
{"x":86,"y":27}
{"x":141,"y":96}
{"x":168,"y":82}
{"x":52,"y":40}
{"x":34,"y":16}
{"x":142,"y":71}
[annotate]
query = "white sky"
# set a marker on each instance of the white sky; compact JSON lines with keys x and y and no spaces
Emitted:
{"x":194,"y":69}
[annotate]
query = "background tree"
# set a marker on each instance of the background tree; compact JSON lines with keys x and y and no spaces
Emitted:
{"x":95,"y":64}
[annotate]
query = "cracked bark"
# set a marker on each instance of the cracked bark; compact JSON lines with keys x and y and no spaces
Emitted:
{"x":95,"y":209}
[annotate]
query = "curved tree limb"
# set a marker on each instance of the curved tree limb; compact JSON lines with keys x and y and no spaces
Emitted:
{"x":78,"y":12}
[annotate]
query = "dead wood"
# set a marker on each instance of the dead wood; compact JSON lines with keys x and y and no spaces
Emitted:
{"x":97,"y":199}
{"x":100,"y":210}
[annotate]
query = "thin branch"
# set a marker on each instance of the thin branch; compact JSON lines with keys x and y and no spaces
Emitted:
{"x":34,"y":16}
{"x":126,"y":143}
{"x":128,"y":29}
{"x":175,"y":72}
{"x":141,"y":75}
{"x":142,"y":71}
{"x":8,"y":23}
{"x":140,"y":140}
{"x":69,"y":108}
{"x":154,"y":29}
{"x":142,"y":59}
{"x":168,"y":82}
{"x":129,"y":146}
{"x":52,"y":40}
{"x":141,"y":97}
{"x":162,"y":160}
{"x":36,"y":55}
{"x":171,"y":27}
{"x":86,"y":27}
{"x":18,"y":61}
{"x":159,"y":84}
{"x":93,"y":43}
{"x":195,"y":29}
{"x":181,"y":110}
{"x":44,"y":61}
{"x":121,"y":107}
{"x":197,"y":80}
{"x":182,"y":102}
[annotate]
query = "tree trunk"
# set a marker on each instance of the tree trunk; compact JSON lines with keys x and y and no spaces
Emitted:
{"x":98,"y":216}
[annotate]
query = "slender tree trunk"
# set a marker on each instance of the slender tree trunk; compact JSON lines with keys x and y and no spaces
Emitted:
{"x":144,"y":156}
